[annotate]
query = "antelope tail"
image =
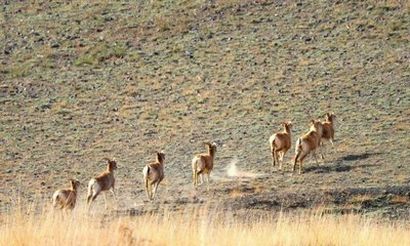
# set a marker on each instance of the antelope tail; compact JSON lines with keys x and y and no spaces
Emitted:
{"x":194,"y":170}
{"x":90,"y":191}
{"x":298,"y":149}
{"x":145,"y":172}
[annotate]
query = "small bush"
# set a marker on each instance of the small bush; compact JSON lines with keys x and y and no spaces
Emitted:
{"x":101,"y":53}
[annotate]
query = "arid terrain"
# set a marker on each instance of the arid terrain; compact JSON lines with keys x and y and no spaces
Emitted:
{"x":80,"y":81}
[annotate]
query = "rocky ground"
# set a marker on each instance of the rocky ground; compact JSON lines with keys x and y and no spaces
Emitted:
{"x":82,"y":81}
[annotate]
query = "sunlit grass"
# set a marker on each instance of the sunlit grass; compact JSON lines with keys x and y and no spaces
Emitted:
{"x":197,"y":227}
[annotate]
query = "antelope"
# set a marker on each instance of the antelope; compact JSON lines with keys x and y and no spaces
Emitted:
{"x":329,"y":128}
{"x":66,"y":198}
{"x":153,"y":175}
{"x":280,"y":143}
{"x":203,"y":164}
{"x":308,"y":143}
{"x":103,"y":182}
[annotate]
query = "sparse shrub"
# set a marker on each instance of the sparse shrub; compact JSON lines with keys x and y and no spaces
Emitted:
{"x":85,"y":60}
{"x":162,"y":24}
{"x":20,"y":70}
{"x":101,"y":53}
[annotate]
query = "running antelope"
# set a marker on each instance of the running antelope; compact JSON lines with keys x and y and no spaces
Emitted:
{"x":308,"y":143}
{"x":66,"y":198}
{"x":329,"y":129}
{"x":103,"y":182}
{"x":202,"y":164}
{"x":153,"y":175}
{"x":280,"y":143}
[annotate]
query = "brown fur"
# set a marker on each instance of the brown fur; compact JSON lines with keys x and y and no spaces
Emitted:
{"x":280,"y":143}
{"x":153,"y":175}
{"x":329,"y":128}
{"x":202,"y":164}
{"x":308,"y":143}
{"x":66,"y":198}
{"x":103,"y":182}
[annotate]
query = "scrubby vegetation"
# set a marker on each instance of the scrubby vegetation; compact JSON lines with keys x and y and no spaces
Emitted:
{"x":83,"y":80}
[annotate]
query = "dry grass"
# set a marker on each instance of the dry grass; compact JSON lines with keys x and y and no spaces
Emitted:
{"x":197,"y":227}
{"x":361,"y":199}
{"x":123,"y":79}
{"x":399,"y":199}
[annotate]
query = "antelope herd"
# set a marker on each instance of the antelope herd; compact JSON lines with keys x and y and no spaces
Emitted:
{"x":202,"y":164}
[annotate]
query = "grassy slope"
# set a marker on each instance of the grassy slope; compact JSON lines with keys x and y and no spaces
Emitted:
{"x":82,"y":81}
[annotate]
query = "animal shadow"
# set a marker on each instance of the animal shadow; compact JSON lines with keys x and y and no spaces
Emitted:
{"x":335,"y":168}
{"x":339,"y":166}
{"x":357,"y":157}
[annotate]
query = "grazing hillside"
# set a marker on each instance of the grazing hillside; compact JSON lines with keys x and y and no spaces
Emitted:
{"x":81,"y":81}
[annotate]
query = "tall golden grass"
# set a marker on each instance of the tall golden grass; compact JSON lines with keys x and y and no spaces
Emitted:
{"x":196,"y":227}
